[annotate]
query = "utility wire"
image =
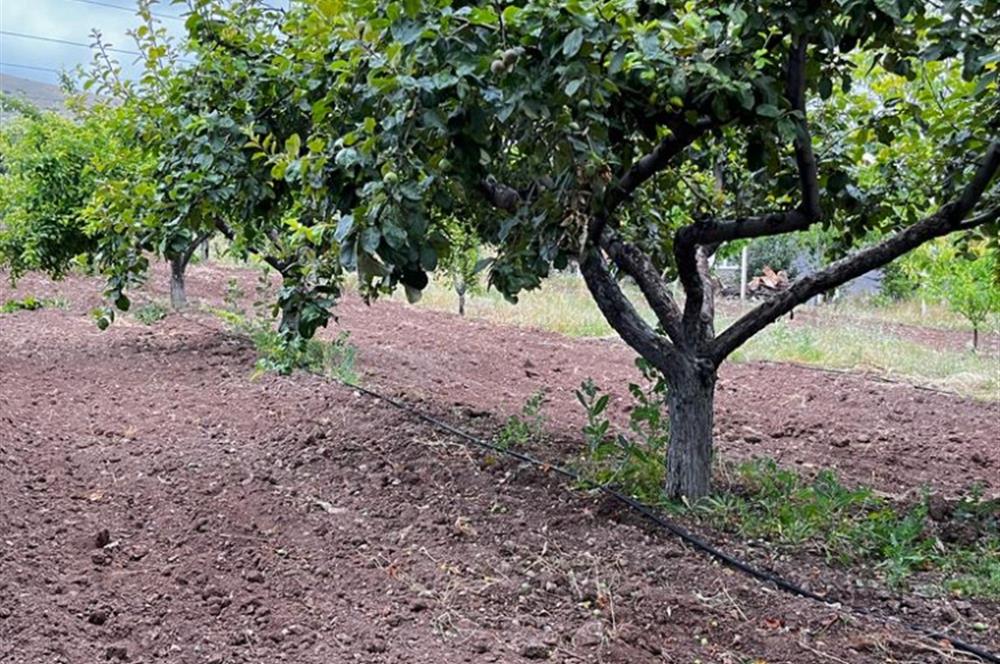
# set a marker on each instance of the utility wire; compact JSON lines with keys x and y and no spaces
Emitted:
{"x":19,"y":66}
{"x":53,"y":40}
{"x":131,"y":10}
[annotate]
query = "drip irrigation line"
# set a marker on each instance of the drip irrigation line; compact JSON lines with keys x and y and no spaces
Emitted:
{"x":680,"y":532}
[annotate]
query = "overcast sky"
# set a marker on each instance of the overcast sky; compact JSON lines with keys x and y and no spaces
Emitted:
{"x":72,"y":21}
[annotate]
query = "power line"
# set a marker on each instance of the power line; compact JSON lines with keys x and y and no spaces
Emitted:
{"x":67,"y":42}
{"x":19,"y":66}
{"x":131,"y":10}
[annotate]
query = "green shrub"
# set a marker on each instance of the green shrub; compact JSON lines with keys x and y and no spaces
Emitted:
{"x":151,"y":312}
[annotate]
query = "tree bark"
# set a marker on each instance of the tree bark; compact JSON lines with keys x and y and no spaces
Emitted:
{"x":461,"y":302}
{"x":178,"y":297}
{"x":689,"y":451}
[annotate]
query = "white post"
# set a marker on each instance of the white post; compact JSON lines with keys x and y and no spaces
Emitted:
{"x":744,"y":264}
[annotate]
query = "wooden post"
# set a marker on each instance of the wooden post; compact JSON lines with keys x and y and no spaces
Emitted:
{"x":744,"y":264}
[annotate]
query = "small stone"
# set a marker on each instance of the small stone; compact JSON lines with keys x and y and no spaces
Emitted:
{"x":102,"y":539}
{"x":116,"y":652}
{"x":938,"y":508}
{"x":255,"y":576}
{"x":535,"y":650}
{"x":97,"y":617}
{"x":590,"y":634}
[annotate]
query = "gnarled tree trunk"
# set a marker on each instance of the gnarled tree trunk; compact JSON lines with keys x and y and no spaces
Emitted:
{"x":689,"y":453}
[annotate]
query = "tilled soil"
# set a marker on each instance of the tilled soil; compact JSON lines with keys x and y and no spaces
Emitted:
{"x":156,"y":504}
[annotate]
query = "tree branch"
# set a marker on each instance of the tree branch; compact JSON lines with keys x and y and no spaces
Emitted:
{"x":620,"y":313}
{"x":699,"y":305}
{"x":633,"y":262}
{"x":977,"y":221}
{"x":681,"y":136}
{"x":189,"y":251}
{"x":805,"y":159}
{"x":227,"y":232}
{"x":947,"y":219}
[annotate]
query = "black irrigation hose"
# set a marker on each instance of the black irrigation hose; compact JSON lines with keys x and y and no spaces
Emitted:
{"x":682,"y":533}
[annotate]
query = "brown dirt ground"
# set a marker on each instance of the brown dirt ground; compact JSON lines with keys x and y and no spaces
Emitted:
{"x":158,"y":505}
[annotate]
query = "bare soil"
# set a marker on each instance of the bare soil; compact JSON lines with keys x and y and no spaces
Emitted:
{"x":156,"y":504}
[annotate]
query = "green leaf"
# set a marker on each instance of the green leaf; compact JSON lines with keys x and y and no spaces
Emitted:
{"x":825,"y":87}
{"x":768,"y":111}
{"x":573,"y":42}
{"x":344,"y":227}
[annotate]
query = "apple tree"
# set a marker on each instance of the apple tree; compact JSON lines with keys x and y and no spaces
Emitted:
{"x":636,"y":138}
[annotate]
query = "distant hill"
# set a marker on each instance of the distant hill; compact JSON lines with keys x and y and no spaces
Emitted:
{"x":44,"y":96}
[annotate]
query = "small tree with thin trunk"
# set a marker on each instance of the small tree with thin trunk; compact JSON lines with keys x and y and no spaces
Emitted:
{"x":966,"y":281}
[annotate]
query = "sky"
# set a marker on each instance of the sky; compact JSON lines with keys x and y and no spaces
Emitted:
{"x":72,"y":21}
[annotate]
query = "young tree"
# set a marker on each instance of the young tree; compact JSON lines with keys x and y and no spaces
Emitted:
{"x":965,"y":278}
{"x":463,"y":263}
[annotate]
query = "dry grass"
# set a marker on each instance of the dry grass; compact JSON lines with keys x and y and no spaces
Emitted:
{"x":846,"y":339}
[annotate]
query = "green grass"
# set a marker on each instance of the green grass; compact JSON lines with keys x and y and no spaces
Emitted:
{"x":151,"y":312}
{"x":32,"y":303}
{"x":845,"y":339}
{"x":846,"y":346}
{"x":849,"y":526}
{"x":855,"y":527}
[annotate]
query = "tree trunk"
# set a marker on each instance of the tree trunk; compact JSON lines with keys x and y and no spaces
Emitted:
{"x":689,"y":453}
{"x":461,"y":302}
{"x":178,"y":298}
{"x":975,"y":339}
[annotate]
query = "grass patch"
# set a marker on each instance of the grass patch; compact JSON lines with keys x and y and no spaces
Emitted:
{"x":845,"y":339}
{"x":843,"y":346}
{"x":278,"y":353}
{"x":561,"y":305}
{"x":854,"y":526}
{"x":32,"y":303}
{"x":956,"y":542}
{"x":150,"y":313}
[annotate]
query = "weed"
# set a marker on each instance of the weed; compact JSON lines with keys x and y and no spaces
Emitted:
{"x":151,"y":312}
{"x":521,"y":429}
{"x":282,"y":355}
{"x":853,"y":526}
{"x":279,"y":353}
{"x":32,"y":303}
{"x":634,"y":462}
